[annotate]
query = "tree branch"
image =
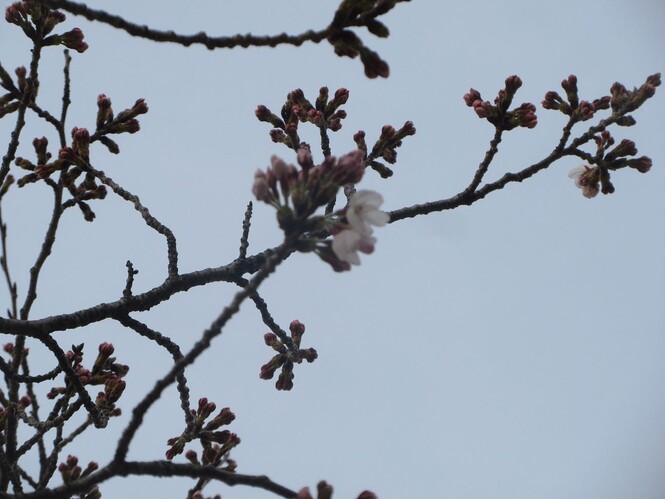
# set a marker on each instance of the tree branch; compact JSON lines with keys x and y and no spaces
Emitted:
{"x":210,"y":42}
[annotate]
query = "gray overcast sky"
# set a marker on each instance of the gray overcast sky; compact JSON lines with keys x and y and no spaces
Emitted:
{"x":511,"y":349}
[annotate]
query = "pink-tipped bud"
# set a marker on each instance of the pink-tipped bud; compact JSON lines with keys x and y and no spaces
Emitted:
{"x":350,"y":168}
{"x":106,"y":349}
{"x":261,"y":188}
{"x":305,"y":158}
{"x":341,"y":96}
{"x":74,"y":40}
{"x":471,"y":97}
{"x":642,"y":164}
{"x":512,"y":84}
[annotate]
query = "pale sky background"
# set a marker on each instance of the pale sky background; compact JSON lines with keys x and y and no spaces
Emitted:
{"x":511,"y":349}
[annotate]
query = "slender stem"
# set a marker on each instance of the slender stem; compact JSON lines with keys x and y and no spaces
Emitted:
{"x":11,"y":285}
{"x":47,"y":247}
{"x":201,"y":346}
{"x":175,"y":352}
{"x":150,"y":220}
{"x":11,"y":427}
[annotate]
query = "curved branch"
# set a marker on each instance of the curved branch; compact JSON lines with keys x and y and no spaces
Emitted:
{"x":23,"y":378}
{"x":210,"y":42}
{"x":172,"y":348}
{"x":150,"y":220}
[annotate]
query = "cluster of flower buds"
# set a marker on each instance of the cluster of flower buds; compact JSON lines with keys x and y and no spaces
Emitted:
{"x":625,"y":101}
{"x":572,"y":106}
{"x":44,"y":167}
{"x":595,"y":179}
{"x":385,"y":147}
{"x":499,"y":114}
{"x":124,"y":122}
{"x":347,"y":44}
{"x":288,"y":354}
{"x":38,"y":21}
{"x":105,"y":371}
{"x":73,"y":161}
{"x":216,"y":443}
{"x":10,"y":101}
{"x":324,"y":113}
{"x":78,"y":155}
{"x":325,"y":491}
{"x":71,"y":472}
{"x":23,"y":403}
{"x":297,"y":194}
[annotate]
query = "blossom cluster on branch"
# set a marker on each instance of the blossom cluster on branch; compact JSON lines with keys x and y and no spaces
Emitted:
{"x":304,"y":196}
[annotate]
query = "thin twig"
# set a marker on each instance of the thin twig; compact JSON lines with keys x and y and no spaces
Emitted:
{"x":127,"y":292}
{"x":23,"y":378}
{"x":11,"y":284}
{"x":266,"y":317}
{"x":172,"y":348}
{"x":66,"y":100}
{"x":246,"y":224}
{"x":47,"y":246}
{"x":150,"y":220}
{"x":201,"y":346}
{"x":34,"y":408}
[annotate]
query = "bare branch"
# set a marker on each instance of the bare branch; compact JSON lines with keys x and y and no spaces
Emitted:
{"x":209,"y":334}
{"x":210,"y":42}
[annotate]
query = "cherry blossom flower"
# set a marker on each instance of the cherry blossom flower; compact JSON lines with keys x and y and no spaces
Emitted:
{"x":363,"y":212}
{"x":347,"y":243}
{"x":586,"y":178}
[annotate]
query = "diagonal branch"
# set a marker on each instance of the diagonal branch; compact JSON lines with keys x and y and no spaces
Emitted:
{"x":201,"y":346}
{"x":172,"y":348}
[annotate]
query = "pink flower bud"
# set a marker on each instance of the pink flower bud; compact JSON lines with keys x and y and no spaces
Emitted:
{"x":74,"y":40}
{"x":642,"y":164}
{"x":278,"y":167}
{"x":471,"y":97}
{"x":341,"y":96}
{"x":512,"y":84}
{"x":261,"y":188}
{"x":350,"y":168}
{"x":305,"y":158}
{"x":106,"y":349}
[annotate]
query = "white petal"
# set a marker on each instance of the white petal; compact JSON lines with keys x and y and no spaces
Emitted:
{"x":576,"y":172}
{"x":366,"y":197}
{"x":377,"y":217}
{"x":345,"y":245}
{"x":366,"y":244}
